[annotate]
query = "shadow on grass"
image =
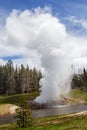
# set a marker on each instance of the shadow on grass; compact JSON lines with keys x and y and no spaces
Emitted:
{"x":14,"y":99}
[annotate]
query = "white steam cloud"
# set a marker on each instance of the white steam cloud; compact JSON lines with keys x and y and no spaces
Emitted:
{"x":39,"y":30}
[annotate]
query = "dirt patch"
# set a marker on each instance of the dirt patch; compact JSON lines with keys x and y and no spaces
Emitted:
{"x":7,"y":109}
{"x":12,"y":109}
{"x":79,"y":113}
{"x":67,"y":100}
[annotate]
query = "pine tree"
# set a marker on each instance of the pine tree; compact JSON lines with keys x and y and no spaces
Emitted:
{"x":35,"y":79}
{"x":17,"y":84}
{"x":10,"y":81}
{"x":22,"y":80}
{"x":4,"y":80}
{"x":1,"y":80}
{"x":84,"y":80}
{"x":27,"y":78}
{"x":24,"y":118}
{"x":40,"y":76}
{"x":31,"y":79}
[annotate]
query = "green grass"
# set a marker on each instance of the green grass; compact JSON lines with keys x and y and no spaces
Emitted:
{"x":14,"y":99}
{"x":62,"y":122}
{"x":76,"y":93}
{"x":7,"y":102}
{"x":54,"y":123}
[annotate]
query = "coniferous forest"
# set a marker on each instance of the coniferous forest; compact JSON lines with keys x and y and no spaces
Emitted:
{"x":79,"y":81}
{"x":15,"y":80}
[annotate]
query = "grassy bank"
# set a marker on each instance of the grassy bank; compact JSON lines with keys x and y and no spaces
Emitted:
{"x":76,"y":93}
{"x":48,"y":123}
{"x":8,"y":102}
{"x":54,"y":123}
{"x":14,"y":99}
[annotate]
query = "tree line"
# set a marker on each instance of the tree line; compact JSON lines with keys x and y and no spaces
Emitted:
{"x":15,"y":80}
{"x":79,"y":81}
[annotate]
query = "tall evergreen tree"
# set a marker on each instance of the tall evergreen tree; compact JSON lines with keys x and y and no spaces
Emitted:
{"x":1,"y":80}
{"x":10,"y":83}
{"x":35,"y":79}
{"x":27,"y":78}
{"x":84,"y":80}
{"x":17,"y":84}
{"x":22,"y":80}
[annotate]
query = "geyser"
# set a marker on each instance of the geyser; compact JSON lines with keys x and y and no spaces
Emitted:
{"x":39,"y":30}
{"x":57,"y":79}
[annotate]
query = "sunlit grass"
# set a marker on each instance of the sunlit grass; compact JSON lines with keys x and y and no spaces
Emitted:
{"x":76,"y":93}
{"x":54,"y":123}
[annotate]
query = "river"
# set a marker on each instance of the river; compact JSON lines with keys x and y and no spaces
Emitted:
{"x":58,"y":110}
{"x":48,"y":111}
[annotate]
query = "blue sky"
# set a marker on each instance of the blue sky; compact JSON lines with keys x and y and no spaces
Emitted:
{"x":64,"y":7}
{"x":11,"y":57}
{"x":72,"y":13}
{"x":60,"y":8}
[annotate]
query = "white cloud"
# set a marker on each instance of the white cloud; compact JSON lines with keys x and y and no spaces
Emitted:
{"x":32,"y":29}
{"x":78,"y":21}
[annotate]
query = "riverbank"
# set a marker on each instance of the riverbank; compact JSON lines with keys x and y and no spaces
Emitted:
{"x":76,"y":103}
{"x":49,"y":111}
{"x":8,"y":104}
{"x":76,"y":121}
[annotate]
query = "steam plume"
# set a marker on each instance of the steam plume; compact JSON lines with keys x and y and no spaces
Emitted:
{"x":39,"y":30}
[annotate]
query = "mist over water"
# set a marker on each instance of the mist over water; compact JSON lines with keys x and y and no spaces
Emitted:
{"x":41,"y":31}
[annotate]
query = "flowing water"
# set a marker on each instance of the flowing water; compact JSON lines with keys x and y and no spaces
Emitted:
{"x":58,"y":110}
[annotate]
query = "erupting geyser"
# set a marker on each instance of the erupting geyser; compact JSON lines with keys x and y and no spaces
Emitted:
{"x":57,"y":77}
{"x":39,"y":30}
